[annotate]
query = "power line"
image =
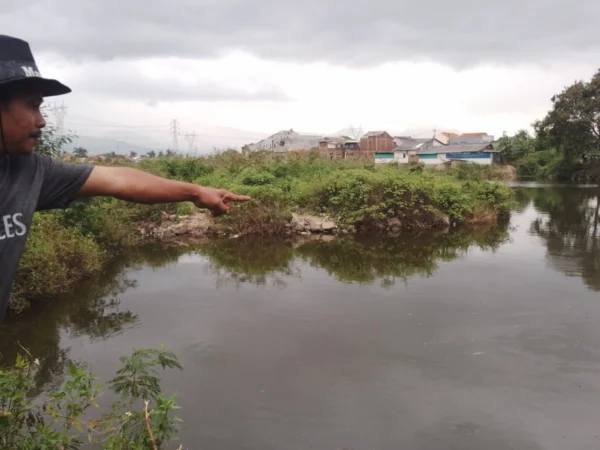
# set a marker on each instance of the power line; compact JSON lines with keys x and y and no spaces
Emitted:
{"x":59,"y":113}
{"x":116,"y":126}
{"x":175,"y":134}
{"x":190,"y":138}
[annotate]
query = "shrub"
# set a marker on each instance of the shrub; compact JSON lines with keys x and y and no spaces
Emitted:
{"x":62,"y":420}
{"x":55,"y":258}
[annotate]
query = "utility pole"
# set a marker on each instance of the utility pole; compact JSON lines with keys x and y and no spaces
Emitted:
{"x":175,"y":134}
{"x":59,"y":113}
{"x":190,"y":138}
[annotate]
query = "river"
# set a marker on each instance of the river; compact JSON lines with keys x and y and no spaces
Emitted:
{"x":459,"y":340}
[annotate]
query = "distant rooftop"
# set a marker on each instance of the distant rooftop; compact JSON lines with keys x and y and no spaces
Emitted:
{"x":407,"y":144}
{"x":472,"y":135}
{"x":460,"y":148}
{"x":373,"y":133}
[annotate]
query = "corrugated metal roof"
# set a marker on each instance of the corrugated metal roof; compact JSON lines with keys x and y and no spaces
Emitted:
{"x":373,"y":133}
{"x":442,"y":138}
{"x":472,"y":135}
{"x":449,"y":134}
{"x":459,"y":148}
{"x":410,"y":144}
{"x":341,"y":139}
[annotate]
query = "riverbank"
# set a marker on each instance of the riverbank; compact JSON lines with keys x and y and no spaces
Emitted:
{"x":291,"y":194}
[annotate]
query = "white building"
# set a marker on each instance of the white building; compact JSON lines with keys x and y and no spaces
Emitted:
{"x":483,"y":154}
{"x":285,"y":141}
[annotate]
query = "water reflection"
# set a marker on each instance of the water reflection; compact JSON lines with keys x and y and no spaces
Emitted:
{"x":93,"y":310}
{"x":369,"y":259}
{"x":569,"y":227}
{"x":250,"y":260}
{"x":347,"y":258}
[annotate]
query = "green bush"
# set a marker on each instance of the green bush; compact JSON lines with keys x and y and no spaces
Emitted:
{"x":140,"y":419}
{"x":542,"y":165}
{"x":55,"y":258}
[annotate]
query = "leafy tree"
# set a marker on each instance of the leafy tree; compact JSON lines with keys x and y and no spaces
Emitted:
{"x":161,"y":154}
{"x":514,"y":148}
{"x":573,"y":123}
{"x":133,"y":154}
{"x":170,"y":153}
{"x":80,"y":152}
{"x":151,"y":154}
{"x":51,"y":142}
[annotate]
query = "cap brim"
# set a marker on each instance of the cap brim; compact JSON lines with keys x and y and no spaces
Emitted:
{"x":51,"y":88}
{"x":48,"y":87}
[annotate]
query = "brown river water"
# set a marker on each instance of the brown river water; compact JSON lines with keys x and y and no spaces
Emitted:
{"x":461,"y":340}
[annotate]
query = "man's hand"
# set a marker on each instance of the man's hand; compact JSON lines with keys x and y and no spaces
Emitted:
{"x":141,"y":187}
{"x":217,"y":200}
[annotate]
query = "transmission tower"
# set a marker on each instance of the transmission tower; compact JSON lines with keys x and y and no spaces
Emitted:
{"x":59,"y":113}
{"x":355,"y":133}
{"x":190,"y":138}
{"x":175,"y":134}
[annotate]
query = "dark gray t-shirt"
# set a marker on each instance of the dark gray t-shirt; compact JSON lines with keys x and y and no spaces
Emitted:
{"x":27,"y":184}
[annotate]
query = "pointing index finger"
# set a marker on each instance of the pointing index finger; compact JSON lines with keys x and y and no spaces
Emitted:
{"x":238,"y":198}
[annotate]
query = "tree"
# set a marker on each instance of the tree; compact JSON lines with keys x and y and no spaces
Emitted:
{"x":573,"y":123}
{"x":133,"y":154}
{"x":51,"y":142}
{"x":170,"y":152}
{"x":161,"y":154}
{"x":80,"y":152}
{"x":514,"y":148}
{"x":151,"y":154}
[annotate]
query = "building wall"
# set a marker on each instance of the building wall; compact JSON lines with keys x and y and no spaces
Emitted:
{"x":484,"y":159}
{"x":334,"y":153}
{"x":286,"y":141}
{"x":374,"y":144}
{"x":432,"y":159}
{"x":401,"y":157}
{"x":405,"y":157}
{"x":384,"y":158}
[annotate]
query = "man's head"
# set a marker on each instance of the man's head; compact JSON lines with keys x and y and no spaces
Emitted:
{"x":22,"y":89}
{"x":21,"y":120}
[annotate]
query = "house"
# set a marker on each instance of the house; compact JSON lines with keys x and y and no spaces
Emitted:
{"x":407,"y":149}
{"x":482,"y":153}
{"x":378,"y":143}
{"x":285,"y":141}
{"x":339,"y":147}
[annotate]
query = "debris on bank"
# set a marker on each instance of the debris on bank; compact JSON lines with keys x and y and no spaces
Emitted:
{"x":200,"y":224}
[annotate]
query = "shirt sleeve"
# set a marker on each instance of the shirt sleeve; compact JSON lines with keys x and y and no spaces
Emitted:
{"x":60,"y":183}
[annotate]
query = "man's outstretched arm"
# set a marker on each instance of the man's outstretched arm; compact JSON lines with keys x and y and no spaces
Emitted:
{"x":140,"y":187}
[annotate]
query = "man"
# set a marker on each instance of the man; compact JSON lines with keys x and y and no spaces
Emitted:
{"x":30,"y":182}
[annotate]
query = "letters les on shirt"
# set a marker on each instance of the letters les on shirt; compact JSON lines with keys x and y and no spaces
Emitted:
{"x":12,"y":226}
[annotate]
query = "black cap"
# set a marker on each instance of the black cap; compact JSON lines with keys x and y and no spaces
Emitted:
{"x":17,"y":65}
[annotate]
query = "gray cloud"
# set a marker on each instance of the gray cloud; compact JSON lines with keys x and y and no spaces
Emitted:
{"x":349,"y":32}
{"x":123,"y":81}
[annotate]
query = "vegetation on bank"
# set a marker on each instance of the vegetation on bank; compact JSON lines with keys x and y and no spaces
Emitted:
{"x":566,"y":145}
{"x":356,"y":194}
{"x":142,"y":417}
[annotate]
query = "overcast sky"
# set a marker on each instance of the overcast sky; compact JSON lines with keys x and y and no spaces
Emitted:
{"x":234,"y":71}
